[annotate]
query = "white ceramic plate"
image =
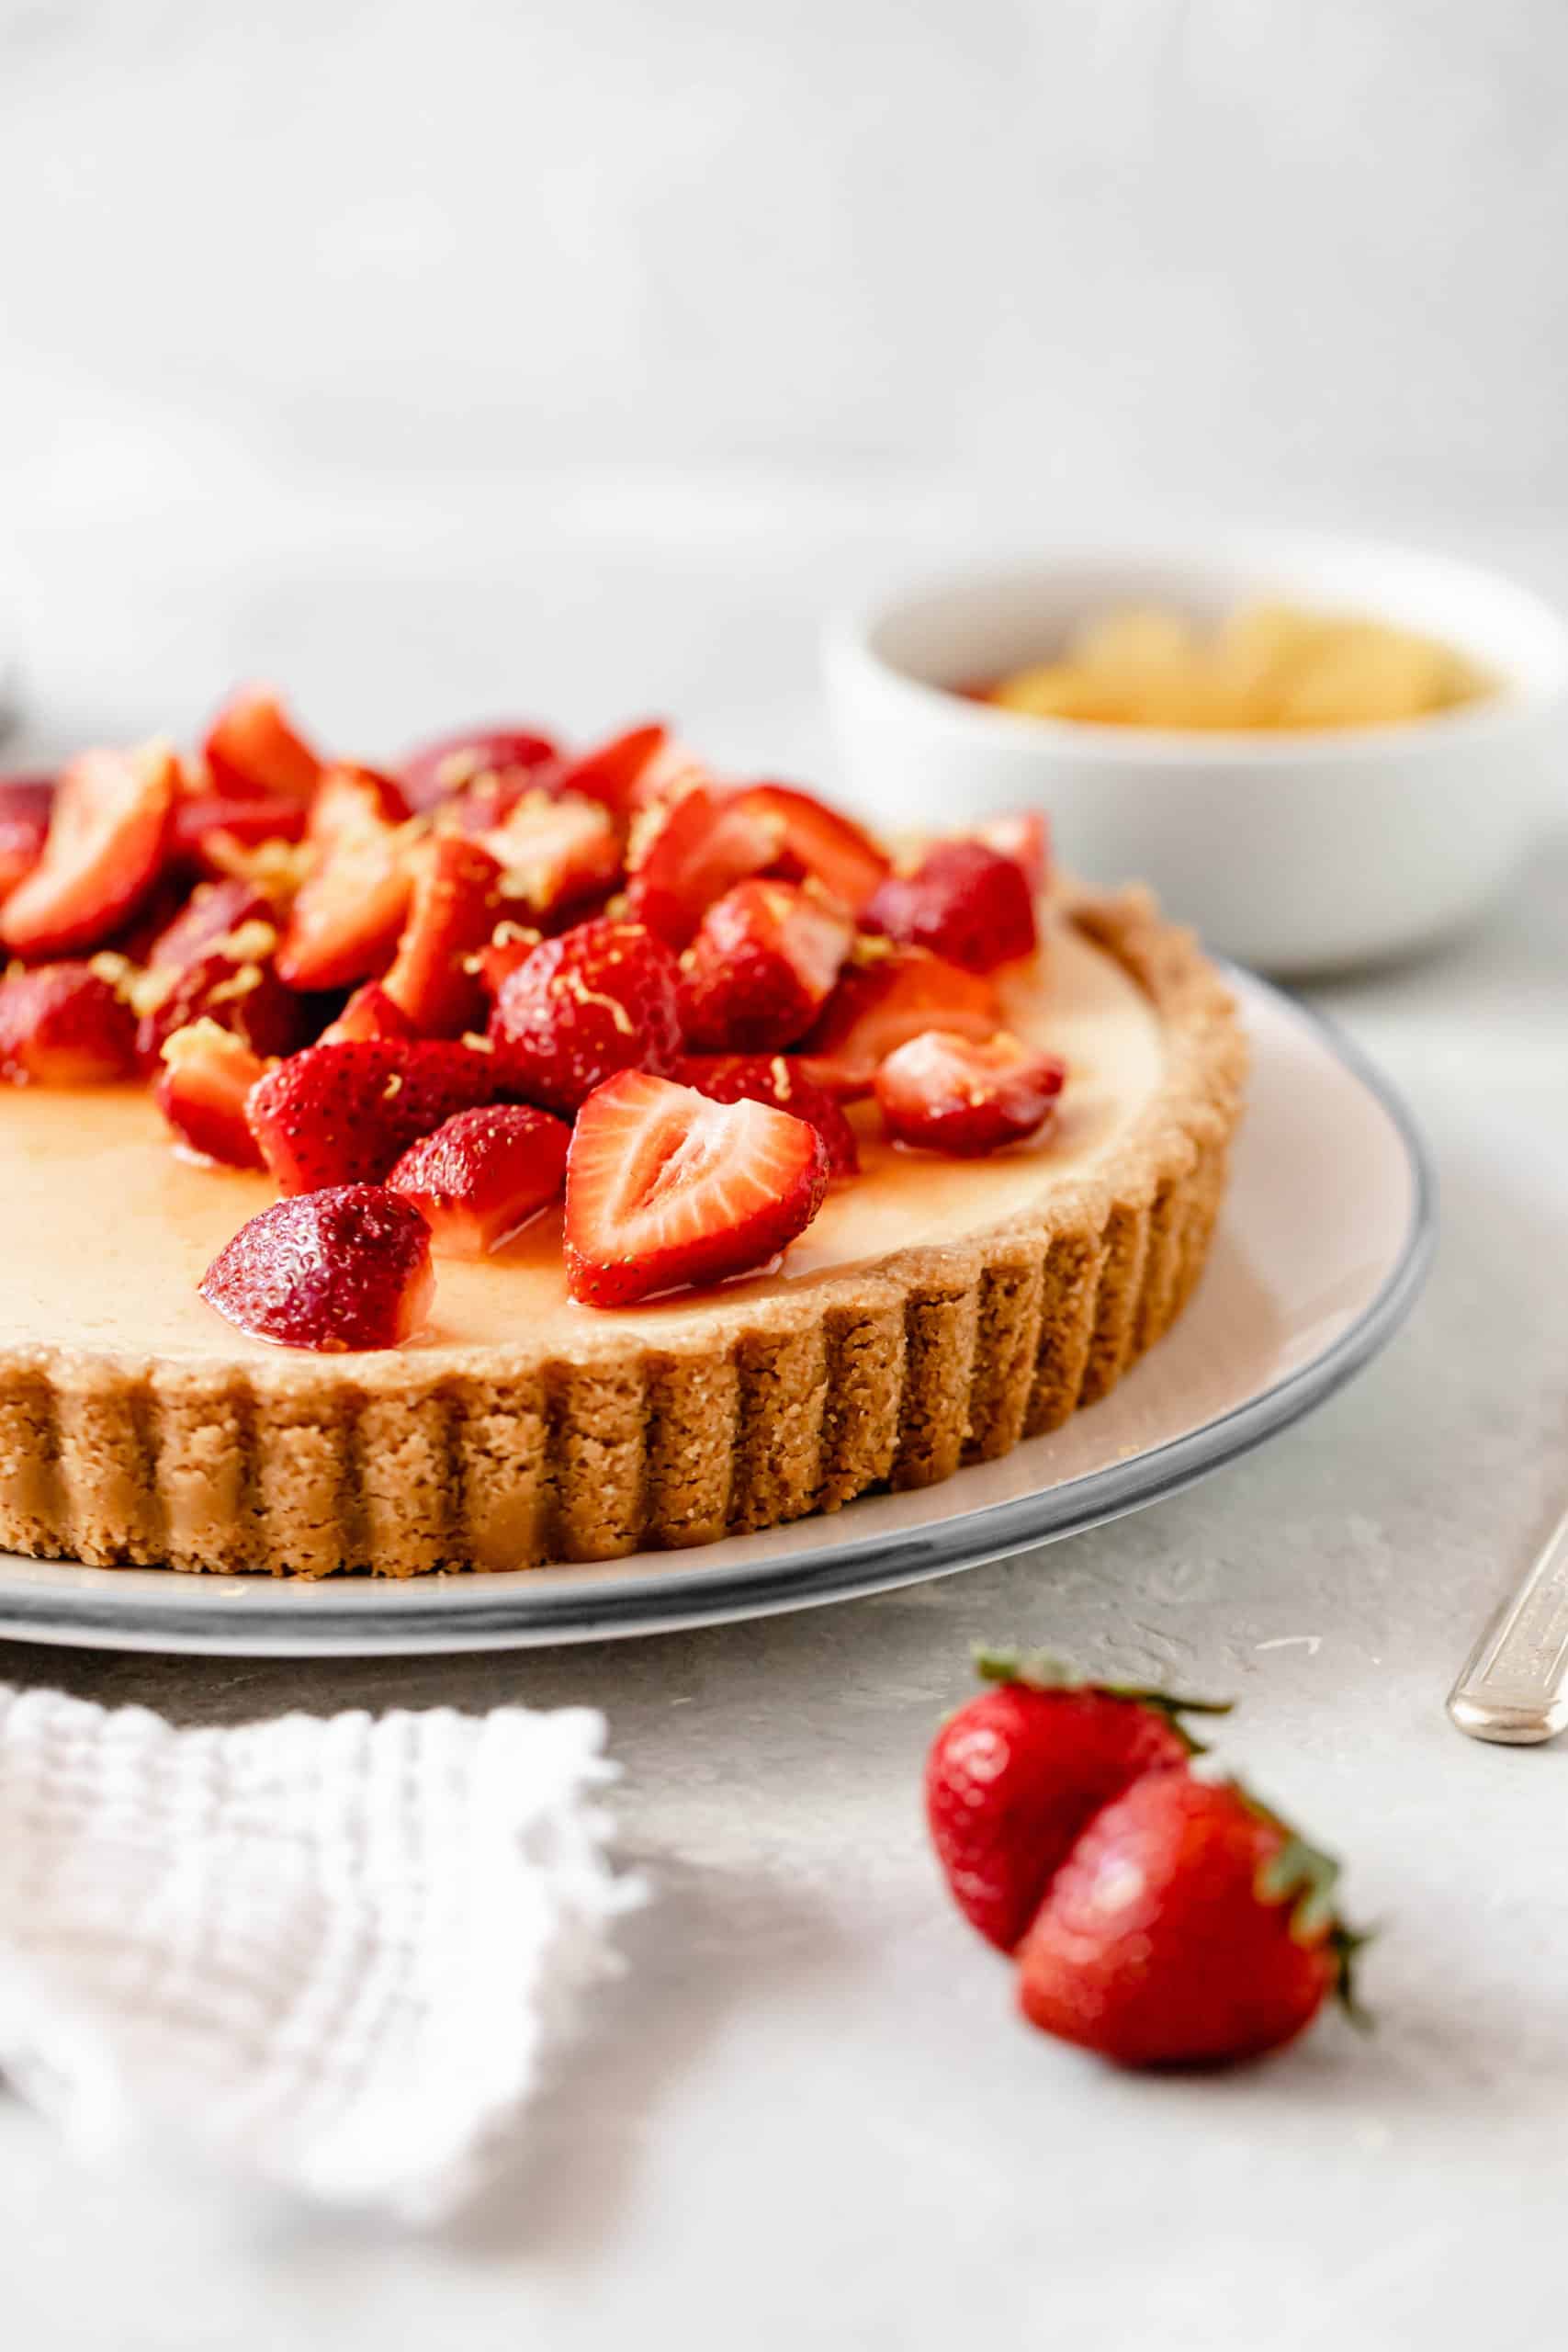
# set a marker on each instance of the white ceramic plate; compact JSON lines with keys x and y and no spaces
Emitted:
{"x":1323,"y":1244}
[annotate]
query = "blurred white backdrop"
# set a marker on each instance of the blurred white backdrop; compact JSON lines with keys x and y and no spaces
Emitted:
{"x":564,"y":348}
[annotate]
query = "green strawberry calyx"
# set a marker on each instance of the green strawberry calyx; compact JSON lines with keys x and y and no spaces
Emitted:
{"x":1304,"y":1877}
{"x":1044,"y":1670}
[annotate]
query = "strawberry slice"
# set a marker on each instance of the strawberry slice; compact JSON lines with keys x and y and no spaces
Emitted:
{"x":762,"y":966}
{"x":689,"y":853}
{"x":887,"y":997}
{"x":107,"y":838}
{"x":201,"y":1088}
{"x":601,"y":997}
{"x":346,"y":919}
{"x":343,"y":1115}
{"x":369,"y":1012}
{"x":24,"y":803}
{"x":451,"y":914}
{"x":480,"y":1178}
{"x":943,"y":1092}
{"x":208,"y":829}
{"x":963,"y":901}
{"x":348,"y":1267}
{"x":779,"y":1079}
{"x":812,"y":839}
{"x":65,"y":1024}
{"x":253,"y":751}
{"x":557,"y":850}
{"x":1025,"y":838}
{"x":664,"y":1187}
{"x":212,"y":913}
{"x":511,"y":757}
{"x":628,"y":772}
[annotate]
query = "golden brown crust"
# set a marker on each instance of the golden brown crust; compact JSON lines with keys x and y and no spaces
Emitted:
{"x":892,"y":1374}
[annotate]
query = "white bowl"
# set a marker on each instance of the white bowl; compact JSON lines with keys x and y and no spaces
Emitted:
{"x":1291,"y":851}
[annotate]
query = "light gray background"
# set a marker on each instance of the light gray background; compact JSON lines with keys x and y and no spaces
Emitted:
{"x":572,"y":358}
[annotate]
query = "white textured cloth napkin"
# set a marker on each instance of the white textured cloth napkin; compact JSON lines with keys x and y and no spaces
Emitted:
{"x":328,"y":1953}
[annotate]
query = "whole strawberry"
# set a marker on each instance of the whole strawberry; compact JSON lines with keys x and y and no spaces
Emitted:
{"x":1014,"y":1777}
{"x":1189,"y":1926}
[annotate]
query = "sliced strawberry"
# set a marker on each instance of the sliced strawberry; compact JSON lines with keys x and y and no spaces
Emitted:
{"x":885,"y":998}
{"x":602,"y":998}
{"x":451,"y":914}
{"x":211,"y":914}
{"x":24,"y":803}
{"x":235,"y":988}
{"x":762,"y":966}
{"x":628,"y":772}
{"x":1026,"y":839}
{"x":943,"y":1092}
{"x":811,"y":839}
{"x":665,"y":1187}
{"x":343,"y":1115}
{"x":689,"y":853}
{"x":253,"y":751}
{"x":346,"y":919}
{"x":483,"y":1175}
{"x":369,"y":1012}
{"x":509,"y":945}
{"x":779,"y":1079}
{"x":208,"y":831}
{"x":65,"y":1024}
{"x":348,"y":1267}
{"x":557,"y":850}
{"x":107,"y":838}
{"x":963,"y":901}
{"x":452,"y":765}
{"x":201,"y":1088}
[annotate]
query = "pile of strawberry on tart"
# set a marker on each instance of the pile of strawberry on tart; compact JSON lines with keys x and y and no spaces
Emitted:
{"x":612,"y":1156}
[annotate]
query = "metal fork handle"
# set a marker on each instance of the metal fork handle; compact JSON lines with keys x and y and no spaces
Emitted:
{"x":1514,"y":1682}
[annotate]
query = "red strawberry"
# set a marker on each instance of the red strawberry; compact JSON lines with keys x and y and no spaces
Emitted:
{"x":24,"y":803}
{"x":943,"y":1092}
{"x":213,"y":912}
{"x":234,"y":987}
{"x":627,"y":773}
{"x":600,"y":999}
{"x":342,"y":1115}
{"x":557,"y":850}
{"x":762,"y":966}
{"x":369,"y":1012}
{"x":441,"y":770}
{"x":346,"y":919}
{"x":1025,"y":838}
{"x":346,"y":1267}
{"x":201,"y":1088}
{"x":252,"y":750}
{"x":211,"y":831}
{"x":778,"y":1079}
{"x":483,"y":1174}
{"x":811,"y":839}
{"x":451,"y":914}
{"x":509,"y":945}
{"x":686,"y":856}
{"x":1013,"y":1779}
{"x":664,"y":1187}
{"x":884,"y":999}
{"x":963,"y":901}
{"x":65,"y":1024}
{"x":1188,"y":1927}
{"x":106,"y":845}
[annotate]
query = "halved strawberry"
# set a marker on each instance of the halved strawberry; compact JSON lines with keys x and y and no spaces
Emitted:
{"x":557,"y":850}
{"x":235,"y":986}
{"x":762,"y":966}
{"x":201,"y":1088}
{"x":948,"y":1093}
{"x":107,"y":834}
{"x":779,"y":1079}
{"x":342,"y":1115}
{"x":65,"y":1024}
{"x":449,"y":765}
{"x":483,"y":1175}
{"x":252,"y":748}
{"x":627,"y":773}
{"x":887,"y":997}
{"x":211,"y":914}
{"x":451,"y":914}
{"x":810,"y":838}
{"x":664,"y":1187}
{"x":347,"y":1267}
{"x":369,"y":1012}
{"x":24,"y":803}
{"x":210,"y":828}
{"x":963,"y":901}
{"x":509,"y":945}
{"x":689,"y":853}
{"x":346,"y":922}
{"x":602,"y":998}
{"x":1025,"y":838}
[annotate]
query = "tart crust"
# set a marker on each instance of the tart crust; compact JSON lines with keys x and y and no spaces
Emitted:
{"x":893,"y":1373}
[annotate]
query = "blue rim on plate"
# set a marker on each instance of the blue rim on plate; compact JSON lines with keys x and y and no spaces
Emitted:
{"x":237,"y":1616}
